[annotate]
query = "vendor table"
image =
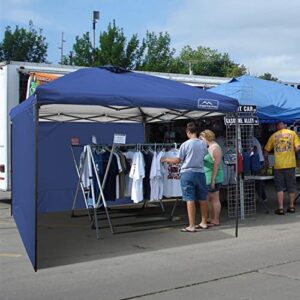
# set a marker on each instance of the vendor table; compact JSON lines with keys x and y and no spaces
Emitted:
{"x":264,"y":178}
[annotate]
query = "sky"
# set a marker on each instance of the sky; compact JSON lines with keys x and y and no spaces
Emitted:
{"x":262,"y":35}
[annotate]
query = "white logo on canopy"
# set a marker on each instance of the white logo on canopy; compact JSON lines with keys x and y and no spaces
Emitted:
{"x":208,"y":104}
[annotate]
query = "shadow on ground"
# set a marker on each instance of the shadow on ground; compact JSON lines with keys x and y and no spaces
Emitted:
{"x":64,"y":240}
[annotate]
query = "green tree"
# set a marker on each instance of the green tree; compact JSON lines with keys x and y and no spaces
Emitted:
{"x":115,"y":50}
{"x":268,"y":76}
{"x":156,"y":54}
{"x":83,"y":52}
{"x":23,"y":45}
{"x":209,"y":62}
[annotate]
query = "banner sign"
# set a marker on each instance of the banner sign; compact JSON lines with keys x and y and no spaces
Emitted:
{"x":247,"y":108}
{"x":241,"y":120}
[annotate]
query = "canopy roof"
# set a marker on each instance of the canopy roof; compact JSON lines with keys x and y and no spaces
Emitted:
{"x":274,"y":101}
{"x":112,"y":94}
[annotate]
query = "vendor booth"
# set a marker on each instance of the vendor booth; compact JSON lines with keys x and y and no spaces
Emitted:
{"x":274,"y":101}
{"x":89,"y":102}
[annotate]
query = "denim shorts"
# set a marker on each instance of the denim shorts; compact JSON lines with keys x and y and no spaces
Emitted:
{"x":193,"y":186}
{"x":285,"y":180}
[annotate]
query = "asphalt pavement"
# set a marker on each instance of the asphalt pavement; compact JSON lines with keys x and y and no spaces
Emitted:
{"x":263,"y":262}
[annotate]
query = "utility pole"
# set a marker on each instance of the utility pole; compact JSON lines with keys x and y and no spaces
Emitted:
{"x":190,"y":64}
{"x":62,"y":48}
{"x":96,"y":16}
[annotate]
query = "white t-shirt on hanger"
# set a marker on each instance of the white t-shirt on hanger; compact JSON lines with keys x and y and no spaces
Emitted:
{"x":128,"y":181}
{"x":137,"y":173}
{"x":156,"y":177}
{"x":171,"y":180}
{"x":86,"y":167}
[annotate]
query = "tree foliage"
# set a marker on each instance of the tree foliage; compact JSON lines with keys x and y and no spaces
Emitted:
{"x":156,"y":53}
{"x":268,"y":76}
{"x":153,"y":53}
{"x":23,"y":45}
{"x":113,"y":49}
{"x":208,"y":62}
{"x":83,"y":52}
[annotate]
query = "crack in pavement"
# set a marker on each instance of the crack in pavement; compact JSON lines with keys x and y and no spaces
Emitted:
{"x":216,"y":279}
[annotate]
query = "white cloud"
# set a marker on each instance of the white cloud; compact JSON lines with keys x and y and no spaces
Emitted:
{"x":263,"y":35}
{"x":21,"y":11}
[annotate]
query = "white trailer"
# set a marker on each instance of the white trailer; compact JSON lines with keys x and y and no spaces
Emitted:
{"x":13,"y":89}
{"x":14,"y":77}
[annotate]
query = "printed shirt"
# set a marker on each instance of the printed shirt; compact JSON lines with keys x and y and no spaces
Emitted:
{"x":171,"y":182}
{"x":284,"y":143}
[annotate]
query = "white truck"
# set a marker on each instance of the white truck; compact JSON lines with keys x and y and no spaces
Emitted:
{"x":16,"y":84}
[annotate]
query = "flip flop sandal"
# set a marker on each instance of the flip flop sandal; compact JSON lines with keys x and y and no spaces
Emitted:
{"x":213,"y":224}
{"x":187,"y":230}
{"x":279,"y":211}
{"x":291,"y":210}
{"x":201,"y":227}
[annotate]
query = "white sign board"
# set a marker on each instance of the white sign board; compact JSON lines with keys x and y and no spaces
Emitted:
{"x":119,"y":138}
{"x":241,"y":120}
{"x":247,"y":108}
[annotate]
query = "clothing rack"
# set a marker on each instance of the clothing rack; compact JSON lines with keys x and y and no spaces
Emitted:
{"x":87,"y":157}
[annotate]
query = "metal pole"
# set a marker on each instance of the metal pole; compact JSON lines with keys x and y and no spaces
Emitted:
{"x":79,"y":173}
{"x":236,"y":178}
{"x":94,"y":33}
{"x":61,"y":48}
{"x":101,"y":187}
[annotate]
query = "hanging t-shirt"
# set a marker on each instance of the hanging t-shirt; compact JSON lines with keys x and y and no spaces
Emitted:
{"x":156,"y":177}
{"x":118,"y":176}
{"x":137,"y":173}
{"x":85,"y":167}
{"x":228,"y":170}
{"x":110,"y":185}
{"x":128,"y":181}
{"x":146,"y":181}
{"x":171,"y":179}
{"x":122,"y":184}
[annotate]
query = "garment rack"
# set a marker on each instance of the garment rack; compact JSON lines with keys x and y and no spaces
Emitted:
{"x":101,"y":201}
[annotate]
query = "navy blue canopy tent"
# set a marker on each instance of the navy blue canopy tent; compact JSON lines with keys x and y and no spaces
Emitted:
{"x":274,"y":101}
{"x":85,"y":102}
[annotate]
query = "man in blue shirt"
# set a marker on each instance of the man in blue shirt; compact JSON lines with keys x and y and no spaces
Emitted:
{"x":192,"y":178}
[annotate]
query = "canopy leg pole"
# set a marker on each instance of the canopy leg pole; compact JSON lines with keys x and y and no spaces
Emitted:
{"x":162,"y":206}
{"x":95,"y":219}
{"x":101,"y":187}
{"x":75,"y":199}
{"x":236,"y":176}
{"x":80,"y":184}
{"x":173,"y":209}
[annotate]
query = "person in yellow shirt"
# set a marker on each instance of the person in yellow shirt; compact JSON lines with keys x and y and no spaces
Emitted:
{"x":284,"y":142}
